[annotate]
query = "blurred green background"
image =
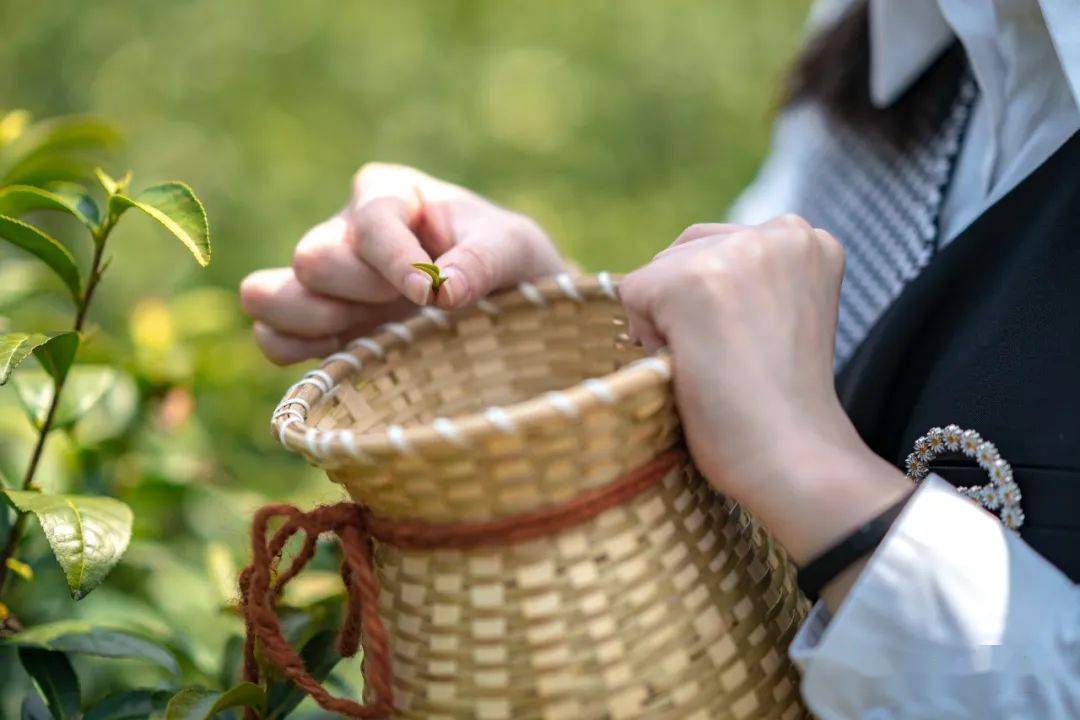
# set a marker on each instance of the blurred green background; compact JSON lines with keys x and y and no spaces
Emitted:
{"x":616,"y":124}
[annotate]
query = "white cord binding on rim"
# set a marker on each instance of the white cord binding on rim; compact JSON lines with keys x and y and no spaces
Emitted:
{"x":309,"y":441}
{"x":531,"y":293}
{"x":396,"y":434}
{"x":498,"y":417}
{"x":607,"y":285}
{"x":448,"y":430}
{"x":436,"y":316}
{"x":401,"y":331}
{"x":568,"y":288}
{"x":320,"y":375}
{"x":599,"y":390}
{"x":562,"y":403}
{"x":344,"y":357}
{"x":368,"y":344}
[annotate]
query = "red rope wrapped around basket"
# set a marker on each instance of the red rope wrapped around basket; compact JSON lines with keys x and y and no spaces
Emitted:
{"x":355,"y":528}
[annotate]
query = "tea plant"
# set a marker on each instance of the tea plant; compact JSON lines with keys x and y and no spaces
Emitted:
{"x":47,"y":169}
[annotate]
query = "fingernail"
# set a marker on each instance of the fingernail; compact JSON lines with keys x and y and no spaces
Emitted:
{"x":418,"y":288}
{"x":454,"y":289}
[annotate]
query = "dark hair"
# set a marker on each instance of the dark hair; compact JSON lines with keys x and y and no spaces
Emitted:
{"x":834,"y":70}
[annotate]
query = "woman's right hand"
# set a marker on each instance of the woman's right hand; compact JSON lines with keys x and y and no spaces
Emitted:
{"x":354,"y":271}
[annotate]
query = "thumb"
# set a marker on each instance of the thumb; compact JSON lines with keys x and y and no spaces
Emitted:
{"x":484,"y":261}
{"x":472,"y":270}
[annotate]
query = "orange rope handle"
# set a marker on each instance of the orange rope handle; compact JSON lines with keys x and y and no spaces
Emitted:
{"x":355,"y":527}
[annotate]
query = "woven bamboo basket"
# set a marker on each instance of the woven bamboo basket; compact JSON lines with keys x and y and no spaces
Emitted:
{"x":674,"y":604}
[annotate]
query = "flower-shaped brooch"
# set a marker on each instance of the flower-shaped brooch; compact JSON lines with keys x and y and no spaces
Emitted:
{"x":1000,"y":496}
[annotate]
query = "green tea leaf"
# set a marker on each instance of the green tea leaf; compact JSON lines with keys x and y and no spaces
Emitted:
{"x":54,"y":149}
{"x":434,"y":272}
{"x":48,"y":250}
{"x":175,"y":207}
{"x":54,"y":351}
{"x":107,"y":182}
{"x":198,"y":703}
{"x":54,"y":679}
{"x":86,"y":386}
{"x":79,"y":637}
{"x":130,"y":705}
{"x":320,"y":655}
{"x":87,"y":534}
{"x":17,"y":200}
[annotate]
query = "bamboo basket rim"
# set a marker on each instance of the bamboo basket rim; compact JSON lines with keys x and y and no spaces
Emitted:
{"x":289,"y":421}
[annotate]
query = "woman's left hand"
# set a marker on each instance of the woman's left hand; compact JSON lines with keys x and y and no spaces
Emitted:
{"x":749,"y":314}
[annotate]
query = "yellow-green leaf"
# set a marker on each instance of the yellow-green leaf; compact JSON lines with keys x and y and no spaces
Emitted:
{"x":175,"y":206}
{"x":106,"y":180}
{"x":49,"y":251}
{"x":87,"y":534}
{"x":16,"y":200}
{"x":434,"y":272}
{"x":80,"y":637}
{"x":55,"y":352}
{"x":196,"y":703}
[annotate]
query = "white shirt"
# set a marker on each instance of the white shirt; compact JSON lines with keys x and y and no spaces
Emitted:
{"x":954,"y":615}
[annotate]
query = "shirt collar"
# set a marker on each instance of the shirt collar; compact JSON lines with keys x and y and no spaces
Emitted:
{"x":906,"y":36}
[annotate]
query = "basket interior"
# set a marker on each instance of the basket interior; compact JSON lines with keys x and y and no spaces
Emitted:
{"x":481,"y":361}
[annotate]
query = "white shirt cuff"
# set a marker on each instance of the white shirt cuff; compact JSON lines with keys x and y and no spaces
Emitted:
{"x":950,"y":603}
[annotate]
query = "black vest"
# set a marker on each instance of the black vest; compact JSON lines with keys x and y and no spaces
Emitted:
{"x":988,"y":337}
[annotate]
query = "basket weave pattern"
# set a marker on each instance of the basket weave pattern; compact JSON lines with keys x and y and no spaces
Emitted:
{"x":673,"y":605}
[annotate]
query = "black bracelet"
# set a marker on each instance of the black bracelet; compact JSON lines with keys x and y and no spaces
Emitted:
{"x":820,"y":571}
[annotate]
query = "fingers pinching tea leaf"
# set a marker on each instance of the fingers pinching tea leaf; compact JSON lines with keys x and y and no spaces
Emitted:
{"x":198,"y":703}
{"x":79,"y":637}
{"x":130,"y":705}
{"x":175,"y":207}
{"x":85,"y":388}
{"x":54,"y":679}
{"x":16,"y":200}
{"x":54,"y":351}
{"x":87,"y":534}
{"x":48,"y":250}
{"x":434,"y":272}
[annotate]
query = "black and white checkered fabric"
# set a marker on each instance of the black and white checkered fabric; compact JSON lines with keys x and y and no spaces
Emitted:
{"x":883,"y":204}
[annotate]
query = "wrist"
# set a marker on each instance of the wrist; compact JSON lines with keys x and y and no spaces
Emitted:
{"x":827,"y":495}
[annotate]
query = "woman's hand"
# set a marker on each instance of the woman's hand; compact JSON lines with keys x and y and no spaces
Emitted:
{"x":354,"y":271}
{"x":749,"y":314}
